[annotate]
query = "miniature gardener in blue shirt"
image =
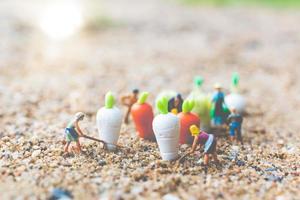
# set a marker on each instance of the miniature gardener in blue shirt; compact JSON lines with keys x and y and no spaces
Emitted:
{"x":73,"y":132}
{"x":235,"y":121}
{"x":218,"y":112}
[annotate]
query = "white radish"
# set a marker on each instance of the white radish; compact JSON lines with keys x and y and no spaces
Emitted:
{"x":109,"y":121}
{"x":234,"y":99}
{"x":166,"y":128}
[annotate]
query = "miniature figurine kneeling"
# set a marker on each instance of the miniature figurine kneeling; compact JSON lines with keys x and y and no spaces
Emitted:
{"x":207,"y":140}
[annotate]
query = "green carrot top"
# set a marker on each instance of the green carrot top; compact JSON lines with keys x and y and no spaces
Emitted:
{"x":162,"y":105}
{"x":235,"y":82}
{"x":187,"y":106}
{"x":143,"y":97}
{"x":109,"y":100}
{"x":198,"y":81}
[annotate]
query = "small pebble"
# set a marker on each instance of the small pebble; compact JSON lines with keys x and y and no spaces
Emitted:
{"x":60,"y":194}
{"x":36,"y":153}
{"x":170,"y":197}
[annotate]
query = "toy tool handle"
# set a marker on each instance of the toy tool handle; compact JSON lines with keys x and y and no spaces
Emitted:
{"x":182,"y":157}
{"x":95,"y":139}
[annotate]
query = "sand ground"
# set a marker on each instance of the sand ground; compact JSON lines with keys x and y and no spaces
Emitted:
{"x":154,"y":45}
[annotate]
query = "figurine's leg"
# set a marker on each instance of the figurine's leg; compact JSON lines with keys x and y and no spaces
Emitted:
{"x":231,"y":133}
{"x":206,"y":159}
{"x":66,"y":147}
{"x":126,"y":120}
{"x":78,"y":146}
{"x":239,"y":135}
{"x":215,"y":157}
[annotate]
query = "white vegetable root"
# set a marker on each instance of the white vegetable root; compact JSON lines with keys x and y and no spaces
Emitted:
{"x":109,"y":121}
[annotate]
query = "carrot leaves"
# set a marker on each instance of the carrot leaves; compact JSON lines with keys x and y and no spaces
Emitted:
{"x":143,"y":97}
{"x":109,"y":100}
{"x":187,"y":106}
{"x":162,"y":105}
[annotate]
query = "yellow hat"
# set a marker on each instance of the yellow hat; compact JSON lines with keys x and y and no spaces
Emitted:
{"x":217,"y":86}
{"x":194,"y":130}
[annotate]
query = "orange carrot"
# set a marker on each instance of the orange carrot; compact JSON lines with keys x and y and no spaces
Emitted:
{"x":186,"y":120}
{"x":142,"y":116}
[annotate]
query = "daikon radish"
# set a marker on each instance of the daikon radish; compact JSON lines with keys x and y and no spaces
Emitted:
{"x":109,"y":121}
{"x":234,"y":99}
{"x":142,"y":115}
{"x":202,"y":105}
{"x":166,"y":129}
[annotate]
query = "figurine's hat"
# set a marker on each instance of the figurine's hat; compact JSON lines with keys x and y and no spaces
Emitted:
{"x":217,"y":86}
{"x":79,"y":115}
{"x":194,"y":130}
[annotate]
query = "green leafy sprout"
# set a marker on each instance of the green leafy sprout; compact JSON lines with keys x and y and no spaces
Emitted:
{"x":198,"y":81}
{"x":187,"y":106}
{"x":235,"y":79}
{"x":162,"y":105}
{"x":143,"y":97}
{"x":109,"y":100}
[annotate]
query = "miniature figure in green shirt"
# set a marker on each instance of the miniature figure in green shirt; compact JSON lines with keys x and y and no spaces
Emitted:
{"x":73,"y":132}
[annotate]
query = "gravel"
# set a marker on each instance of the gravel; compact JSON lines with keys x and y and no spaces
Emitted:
{"x":158,"y":45}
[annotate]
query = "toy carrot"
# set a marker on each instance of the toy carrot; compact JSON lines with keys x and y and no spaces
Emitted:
{"x":166,"y":130}
{"x":109,"y":120}
{"x":186,"y":120}
{"x":142,"y":116}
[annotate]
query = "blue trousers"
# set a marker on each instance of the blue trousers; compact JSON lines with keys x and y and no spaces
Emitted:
{"x":235,"y":127}
{"x":218,"y":120}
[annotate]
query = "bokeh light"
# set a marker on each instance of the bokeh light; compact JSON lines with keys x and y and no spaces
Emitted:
{"x":61,"y":20}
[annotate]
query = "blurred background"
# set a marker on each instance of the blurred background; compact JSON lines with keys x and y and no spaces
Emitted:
{"x":72,"y":47}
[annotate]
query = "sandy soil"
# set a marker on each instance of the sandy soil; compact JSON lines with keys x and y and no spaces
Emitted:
{"x":156,"y":45}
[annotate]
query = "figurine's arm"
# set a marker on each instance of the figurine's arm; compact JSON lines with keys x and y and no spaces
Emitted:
{"x":78,"y":129}
{"x":194,"y":144}
{"x":124,"y":100}
{"x":228,"y":119}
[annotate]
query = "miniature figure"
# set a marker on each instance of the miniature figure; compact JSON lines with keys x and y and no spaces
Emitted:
{"x":166,"y":130}
{"x":73,"y":132}
{"x":186,"y":120}
{"x":128,"y":101}
{"x":219,"y":110}
{"x":207,"y":140}
{"x":234,"y":99}
{"x":235,"y":121}
{"x":142,"y":116}
{"x":202,"y":103}
{"x":109,"y":121}
{"x":175,"y":104}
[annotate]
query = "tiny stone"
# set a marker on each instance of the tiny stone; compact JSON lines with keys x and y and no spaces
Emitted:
{"x":101,"y":162}
{"x":36,"y":153}
{"x":170,"y":197}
